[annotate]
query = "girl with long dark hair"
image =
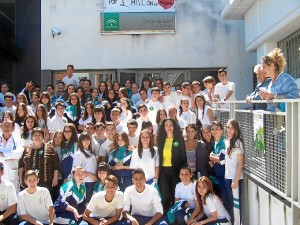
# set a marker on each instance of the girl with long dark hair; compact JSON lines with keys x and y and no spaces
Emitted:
{"x":86,"y":158}
{"x":68,"y":149}
{"x":29,"y":123}
{"x":234,"y":162}
{"x":146,"y":157}
{"x":73,"y":111}
{"x":87,"y":115}
{"x":119,"y":161}
{"x":43,"y":120}
{"x":203,"y":111}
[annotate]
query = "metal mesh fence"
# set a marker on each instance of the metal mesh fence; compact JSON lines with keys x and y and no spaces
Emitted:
{"x":221,"y":116}
{"x":269,"y":166}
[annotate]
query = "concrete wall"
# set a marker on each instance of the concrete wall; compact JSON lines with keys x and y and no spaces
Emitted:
{"x":270,"y":21}
{"x":202,"y":40}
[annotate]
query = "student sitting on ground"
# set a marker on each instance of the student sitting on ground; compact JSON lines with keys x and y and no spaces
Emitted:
{"x":34,"y":203}
{"x":106,"y":206}
{"x":71,"y":201}
{"x":144,"y":201}
{"x":8,"y":200}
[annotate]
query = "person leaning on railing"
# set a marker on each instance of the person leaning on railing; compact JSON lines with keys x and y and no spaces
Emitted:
{"x":263,"y":83}
{"x":283,"y":85}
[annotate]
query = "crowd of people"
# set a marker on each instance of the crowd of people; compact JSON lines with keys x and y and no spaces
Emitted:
{"x":127,"y":154}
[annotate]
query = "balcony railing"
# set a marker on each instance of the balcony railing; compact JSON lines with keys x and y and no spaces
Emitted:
{"x":275,"y":168}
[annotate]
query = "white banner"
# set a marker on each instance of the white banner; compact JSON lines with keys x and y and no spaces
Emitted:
{"x":258,"y":124}
{"x":139,"y":5}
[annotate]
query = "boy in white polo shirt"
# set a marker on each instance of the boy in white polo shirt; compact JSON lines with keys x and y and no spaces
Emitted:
{"x":8,"y":201}
{"x":144,"y":201}
{"x":34,"y":203}
{"x":106,"y":206}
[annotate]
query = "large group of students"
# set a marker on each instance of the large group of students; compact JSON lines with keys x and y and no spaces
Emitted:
{"x":113,"y":154}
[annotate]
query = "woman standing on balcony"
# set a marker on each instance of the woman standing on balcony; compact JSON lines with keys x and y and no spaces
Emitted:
{"x":283,"y":85}
{"x":234,"y":162}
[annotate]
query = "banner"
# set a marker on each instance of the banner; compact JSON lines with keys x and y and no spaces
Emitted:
{"x":119,"y":6}
{"x":258,"y":124}
{"x":137,"y":23}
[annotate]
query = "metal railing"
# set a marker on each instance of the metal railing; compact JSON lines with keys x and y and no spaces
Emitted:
{"x":277,"y":167}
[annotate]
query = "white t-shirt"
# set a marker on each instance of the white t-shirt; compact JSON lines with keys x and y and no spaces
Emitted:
{"x":169,"y":101}
{"x":57,"y":123}
{"x":214,"y":205}
{"x":187,"y":117}
{"x":8,"y":196}
{"x":72,"y":80}
{"x":186,"y":193}
{"x":223,"y":89}
{"x":99,"y":207}
{"x":35,"y":205}
{"x":88,"y":164}
{"x":153,"y":107}
{"x":204,"y":119}
{"x":140,"y":122}
{"x":95,"y":146}
{"x":147,"y":203}
{"x":231,"y":163}
{"x":121,"y":127}
{"x":85,"y":122}
{"x":105,"y":148}
{"x":125,"y":117}
{"x":135,"y":98}
{"x":147,"y":163}
{"x":178,"y":96}
{"x":133,"y":140}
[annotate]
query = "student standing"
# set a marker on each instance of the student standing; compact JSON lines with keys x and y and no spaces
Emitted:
{"x":120,"y":161}
{"x":217,"y":158}
{"x":234,"y":162}
{"x":172,"y":156}
{"x":85,"y":157}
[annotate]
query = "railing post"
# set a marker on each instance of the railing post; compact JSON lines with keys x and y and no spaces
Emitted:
{"x":232,"y":110}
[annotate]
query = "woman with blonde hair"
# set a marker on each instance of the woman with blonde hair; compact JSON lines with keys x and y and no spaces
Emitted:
{"x":282,"y":85}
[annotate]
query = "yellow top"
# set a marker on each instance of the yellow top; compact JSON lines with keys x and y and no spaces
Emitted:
{"x":167,"y":152}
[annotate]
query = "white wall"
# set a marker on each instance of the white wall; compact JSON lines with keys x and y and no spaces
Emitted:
{"x":264,"y":208}
{"x":270,"y":21}
{"x":202,"y":40}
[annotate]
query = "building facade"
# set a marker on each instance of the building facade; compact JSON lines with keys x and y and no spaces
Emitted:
{"x":201,"y":44}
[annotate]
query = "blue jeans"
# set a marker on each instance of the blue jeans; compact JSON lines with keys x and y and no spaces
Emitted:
{"x":145,"y":219}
